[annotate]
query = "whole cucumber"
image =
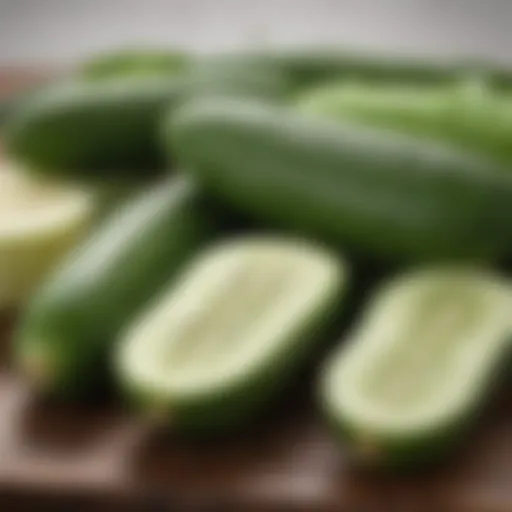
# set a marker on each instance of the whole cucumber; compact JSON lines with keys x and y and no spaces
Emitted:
{"x":69,"y":327}
{"x":469,"y":116}
{"x":109,"y":129}
{"x":101,"y":129}
{"x":390,"y":196}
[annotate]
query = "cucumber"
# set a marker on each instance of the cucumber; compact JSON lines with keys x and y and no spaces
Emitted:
{"x":307,"y":66}
{"x":104,"y":129}
{"x":388,"y":196}
{"x":70,"y":326}
{"x":40,"y":221}
{"x":419,"y":366}
{"x":134,"y":62}
{"x":109,"y":129}
{"x":469,"y":116}
{"x":218,"y":345}
{"x":235,"y":77}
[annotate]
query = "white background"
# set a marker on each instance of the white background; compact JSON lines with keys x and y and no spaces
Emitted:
{"x":58,"y":31}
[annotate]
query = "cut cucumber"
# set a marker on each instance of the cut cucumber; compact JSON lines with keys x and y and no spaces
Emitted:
{"x":69,"y":327}
{"x":40,"y":221}
{"x":419,"y":365}
{"x":221,"y":343}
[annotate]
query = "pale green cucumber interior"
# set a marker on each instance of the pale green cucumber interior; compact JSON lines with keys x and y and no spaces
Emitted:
{"x":232,"y":310}
{"x":32,"y":208}
{"x":423,"y":351}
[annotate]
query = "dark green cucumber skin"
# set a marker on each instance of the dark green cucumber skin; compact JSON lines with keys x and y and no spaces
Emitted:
{"x":476,"y":120}
{"x":224,"y":411}
{"x":97,"y":130}
{"x":307,"y":67}
{"x":74,"y":319}
{"x":109,"y":130}
{"x":391,"y":197}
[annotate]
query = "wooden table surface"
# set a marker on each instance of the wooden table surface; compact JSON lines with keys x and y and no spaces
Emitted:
{"x":96,"y":457}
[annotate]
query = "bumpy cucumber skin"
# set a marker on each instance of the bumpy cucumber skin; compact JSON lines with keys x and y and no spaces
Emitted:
{"x":69,"y":328}
{"x":232,"y":407}
{"x":104,"y":129}
{"x":387,"y":196}
{"x":428,"y":447}
{"x":471,"y":116}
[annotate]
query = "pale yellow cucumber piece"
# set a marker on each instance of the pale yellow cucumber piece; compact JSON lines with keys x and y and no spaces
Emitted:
{"x":39,"y":222}
{"x":225,"y":337}
{"x":421,"y":360}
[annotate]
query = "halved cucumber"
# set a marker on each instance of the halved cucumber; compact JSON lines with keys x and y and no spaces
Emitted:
{"x":419,"y":365}
{"x":40,"y":221}
{"x":221,"y":343}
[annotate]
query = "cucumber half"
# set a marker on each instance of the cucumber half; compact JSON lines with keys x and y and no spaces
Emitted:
{"x":419,"y":365}
{"x":40,"y":221}
{"x":221,"y":343}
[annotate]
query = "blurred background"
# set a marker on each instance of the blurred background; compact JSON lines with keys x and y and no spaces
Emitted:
{"x":63,"y":31}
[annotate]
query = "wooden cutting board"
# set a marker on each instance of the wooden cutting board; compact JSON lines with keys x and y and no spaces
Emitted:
{"x":96,"y":457}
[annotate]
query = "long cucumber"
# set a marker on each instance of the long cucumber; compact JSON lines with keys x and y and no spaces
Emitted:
{"x":68,"y":330}
{"x":387,"y":195}
{"x":469,"y":116}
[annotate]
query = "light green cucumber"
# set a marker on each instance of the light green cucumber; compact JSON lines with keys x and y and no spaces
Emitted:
{"x":419,"y":366}
{"x":224,"y":339}
{"x":133,"y":61}
{"x":470,"y":116}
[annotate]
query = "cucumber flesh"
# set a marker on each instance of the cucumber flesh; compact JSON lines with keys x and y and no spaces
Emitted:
{"x":242,"y":313}
{"x":420,"y":362}
{"x":40,"y":221}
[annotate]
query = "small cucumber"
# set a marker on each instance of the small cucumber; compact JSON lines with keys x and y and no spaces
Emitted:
{"x":134,"y":62}
{"x":105,"y":129}
{"x":70,"y":325}
{"x":384,"y":195}
{"x":419,"y":365}
{"x":217,"y":346}
{"x":470,"y":116}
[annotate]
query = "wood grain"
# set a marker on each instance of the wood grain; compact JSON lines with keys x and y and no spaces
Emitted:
{"x":97,"y":457}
